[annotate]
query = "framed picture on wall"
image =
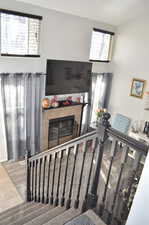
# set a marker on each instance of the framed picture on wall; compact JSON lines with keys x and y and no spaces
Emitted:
{"x":137,"y":88}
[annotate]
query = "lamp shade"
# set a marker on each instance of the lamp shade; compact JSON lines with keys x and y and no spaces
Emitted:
{"x":146,"y":101}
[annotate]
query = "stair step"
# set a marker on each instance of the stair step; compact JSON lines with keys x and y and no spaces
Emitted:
{"x":47,"y":216}
{"x":23,"y":217}
{"x":15,"y":209}
{"x":32,"y":215}
{"x":88,"y":217}
{"x":94,"y":217}
{"x":64,"y":217}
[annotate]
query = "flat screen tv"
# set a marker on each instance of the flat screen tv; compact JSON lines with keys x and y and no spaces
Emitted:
{"x":67,"y":77}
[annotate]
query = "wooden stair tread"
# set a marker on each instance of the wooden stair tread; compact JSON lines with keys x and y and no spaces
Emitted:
{"x":94,"y":217}
{"x":23,"y":217}
{"x":45,"y":217}
{"x":64,"y":217}
{"x":15,"y":209}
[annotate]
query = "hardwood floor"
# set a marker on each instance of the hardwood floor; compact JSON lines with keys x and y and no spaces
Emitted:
{"x":9,"y":196}
{"x":17,"y":174}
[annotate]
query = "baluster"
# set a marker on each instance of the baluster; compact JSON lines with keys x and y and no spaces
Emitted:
{"x":123,"y":161}
{"x":33,"y":167}
{"x":102,"y":132}
{"x":72,"y":177}
{"x":53,"y":179}
{"x":28,"y":177}
{"x":76,"y":204}
{"x":112,"y":155}
{"x":58,"y":180}
{"x":43,"y":183}
{"x":84,"y":206}
{"x":48,"y":182}
{"x":36,"y":166}
{"x":65,"y":177}
{"x":127,"y":194}
{"x":39,"y":181}
{"x":136,"y":163}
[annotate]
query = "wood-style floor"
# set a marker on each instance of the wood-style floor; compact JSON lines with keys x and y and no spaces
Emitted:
{"x":17,"y":174}
{"x":9,"y":196}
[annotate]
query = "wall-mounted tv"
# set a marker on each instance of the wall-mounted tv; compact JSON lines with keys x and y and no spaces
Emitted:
{"x":67,"y":77}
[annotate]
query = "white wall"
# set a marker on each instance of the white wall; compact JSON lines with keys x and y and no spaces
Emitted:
{"x":139,"y":212}
{"x":131,"y":60}
{"x":62,"y":37}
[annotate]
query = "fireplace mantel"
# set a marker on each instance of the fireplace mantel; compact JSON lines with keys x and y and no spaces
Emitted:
{"x":55,"y":113}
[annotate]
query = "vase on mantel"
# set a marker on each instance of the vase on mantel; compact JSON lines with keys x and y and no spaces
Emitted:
{"x":98,"y":120}
{"x":99,"y":113}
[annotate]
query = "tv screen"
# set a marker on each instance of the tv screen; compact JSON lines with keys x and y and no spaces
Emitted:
{"x":67,"y":77}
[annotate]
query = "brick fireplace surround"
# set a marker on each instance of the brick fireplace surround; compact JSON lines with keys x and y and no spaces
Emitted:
{"x":54,"y":113}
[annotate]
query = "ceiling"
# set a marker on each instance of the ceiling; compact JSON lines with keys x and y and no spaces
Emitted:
{"x":114,"y":12}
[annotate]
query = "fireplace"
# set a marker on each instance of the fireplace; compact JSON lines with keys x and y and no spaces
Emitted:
{"x":60,"y":128}
{"x":60,"y":125}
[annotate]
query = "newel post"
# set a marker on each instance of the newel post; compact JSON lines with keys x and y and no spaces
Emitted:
{"x":28,"y":176}
{"x":102,"y":137}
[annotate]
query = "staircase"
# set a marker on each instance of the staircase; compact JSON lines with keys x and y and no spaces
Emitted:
{"x":40,"y":214}
{"x":71,"y":182}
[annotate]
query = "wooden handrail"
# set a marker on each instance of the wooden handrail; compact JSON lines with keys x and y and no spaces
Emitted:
{"x":125,"y":139}
{"x":68,"y":144}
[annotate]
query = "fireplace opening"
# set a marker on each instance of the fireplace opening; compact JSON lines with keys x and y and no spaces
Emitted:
{"x":60,"y":129}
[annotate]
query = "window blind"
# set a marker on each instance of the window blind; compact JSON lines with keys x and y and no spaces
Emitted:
{"x":19,"y":35}
{"x":100,"y":45}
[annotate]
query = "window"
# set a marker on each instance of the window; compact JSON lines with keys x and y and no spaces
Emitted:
{"x":19,"y":34}
{"x":101,"y":44}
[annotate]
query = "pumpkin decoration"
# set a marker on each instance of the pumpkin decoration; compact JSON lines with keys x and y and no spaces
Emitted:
{"x":45,"y":103}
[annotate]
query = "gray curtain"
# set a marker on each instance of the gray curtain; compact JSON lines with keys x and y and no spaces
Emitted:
{"x":86,"y":113}
{"x":105,"y":94}
{"x":21,"y":96}
{"x":101,"y":89}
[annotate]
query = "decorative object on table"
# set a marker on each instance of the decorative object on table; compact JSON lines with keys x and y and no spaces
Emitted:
{"x":73,"y":98}
{"x":54,"y":102}
{"x":69,"y":98}
{"x":99,"y":113}
{"x":146,"y":101}
{"x":137,"y":88}
{"x":68,"y":101}
{"x":134,"y":127}
{"x":121,"y":123}
{"x":78,"y":99}
{"x":138,"y":126}
{"x":82,"y":99}
{"x":146,"y":128}
{"x":45,"y":103}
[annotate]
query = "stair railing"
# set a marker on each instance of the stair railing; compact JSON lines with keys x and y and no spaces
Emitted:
{"x":47,"y":183}
{"x":124,"y":163}
{"x":97,"y":170}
